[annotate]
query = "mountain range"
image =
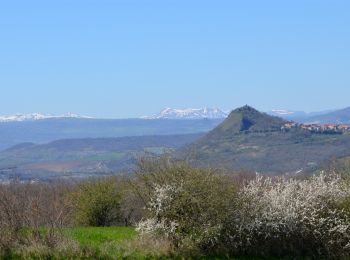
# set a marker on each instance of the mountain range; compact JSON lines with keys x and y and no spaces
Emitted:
{"x":189,"y":113}
{"x":36,"y":116}
{"x":341,"y":116}
{"x":167,"y":113}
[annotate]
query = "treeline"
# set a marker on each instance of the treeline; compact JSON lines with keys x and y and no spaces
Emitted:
{"x":198,"y":212}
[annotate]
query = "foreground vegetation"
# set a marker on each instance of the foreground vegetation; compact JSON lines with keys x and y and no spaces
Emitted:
{"x":93,"y":243}
{"x":97,"y":236}
{"x":171,"y":210}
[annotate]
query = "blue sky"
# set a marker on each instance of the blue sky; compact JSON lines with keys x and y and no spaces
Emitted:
{"x":134,"y":57}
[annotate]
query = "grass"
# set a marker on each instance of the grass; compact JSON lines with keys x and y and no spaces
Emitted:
{"x":93,"y":243}
{"x":96,"y":236}
{"x":105,"y":243}
{"x":115,"y":243}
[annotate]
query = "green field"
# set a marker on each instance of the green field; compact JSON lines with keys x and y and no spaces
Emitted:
{"x":92,"y":243}
{"x":104,"y":243}
{"x":111,"y":243}
{"x":120,"y":243}
{"x":97,"y":236}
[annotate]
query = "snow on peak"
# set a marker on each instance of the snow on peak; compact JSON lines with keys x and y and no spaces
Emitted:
{"x":36,"y":116}
{"x":282,"y":112}
{"x":189,"y":113}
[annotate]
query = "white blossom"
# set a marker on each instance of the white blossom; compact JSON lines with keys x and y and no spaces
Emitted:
{"x":283,"y":208}
{"x":160,"y":201}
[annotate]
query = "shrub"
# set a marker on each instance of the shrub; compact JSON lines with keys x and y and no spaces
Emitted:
{"x":185,"y":204}
{"x":287,"y":217}
{"x":131,"y":204}
{"x":97,"y":203}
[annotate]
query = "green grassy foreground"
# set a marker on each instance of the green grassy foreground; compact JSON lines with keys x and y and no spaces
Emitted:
{"x":119,"y":243}
{"x":97,"y":236}
{"x":105,"y":243}
{"x":94,"y":243}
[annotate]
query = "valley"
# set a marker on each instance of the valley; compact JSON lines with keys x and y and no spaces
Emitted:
{"x":82,"y":158}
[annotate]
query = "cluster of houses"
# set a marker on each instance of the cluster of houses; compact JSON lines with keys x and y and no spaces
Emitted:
{"x":336,"y":128}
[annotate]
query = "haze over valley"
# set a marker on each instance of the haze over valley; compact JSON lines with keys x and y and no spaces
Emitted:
{"x":42,"y":147}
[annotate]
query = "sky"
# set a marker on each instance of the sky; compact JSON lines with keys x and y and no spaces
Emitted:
{"x":129,"y":58}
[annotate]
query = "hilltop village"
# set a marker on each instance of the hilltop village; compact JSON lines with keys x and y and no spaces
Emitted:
{"x":317,"y":128}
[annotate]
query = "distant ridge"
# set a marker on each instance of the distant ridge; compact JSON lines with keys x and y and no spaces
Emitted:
{"x":47,"y":130}
{"x":189,"y":113}
{"x":341,"y":116}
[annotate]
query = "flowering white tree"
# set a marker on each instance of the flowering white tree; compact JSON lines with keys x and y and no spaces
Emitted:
{"x":287,"y":215}
{"x":160,"y":201}
{"x":187,"y":205}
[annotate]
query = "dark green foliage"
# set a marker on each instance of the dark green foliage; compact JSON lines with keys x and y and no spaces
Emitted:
{"x":97,"y":203}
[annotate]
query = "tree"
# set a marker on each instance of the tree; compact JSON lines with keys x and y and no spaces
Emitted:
{"x":97,"y":203}
{"x":185,"y":204}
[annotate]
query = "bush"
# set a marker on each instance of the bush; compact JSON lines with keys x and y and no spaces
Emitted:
{"x":97,"y":203}
{"x":286,"y":217}
{"x":186,"y":205}
{"x":200,"y":210}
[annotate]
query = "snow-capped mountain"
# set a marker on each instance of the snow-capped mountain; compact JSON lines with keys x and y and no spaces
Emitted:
{"x":288,"y":114}
{"x":36,"y":116}
{"x":189,"y":113}
{"x":299,"y":116}
{"x":282,"y":112}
